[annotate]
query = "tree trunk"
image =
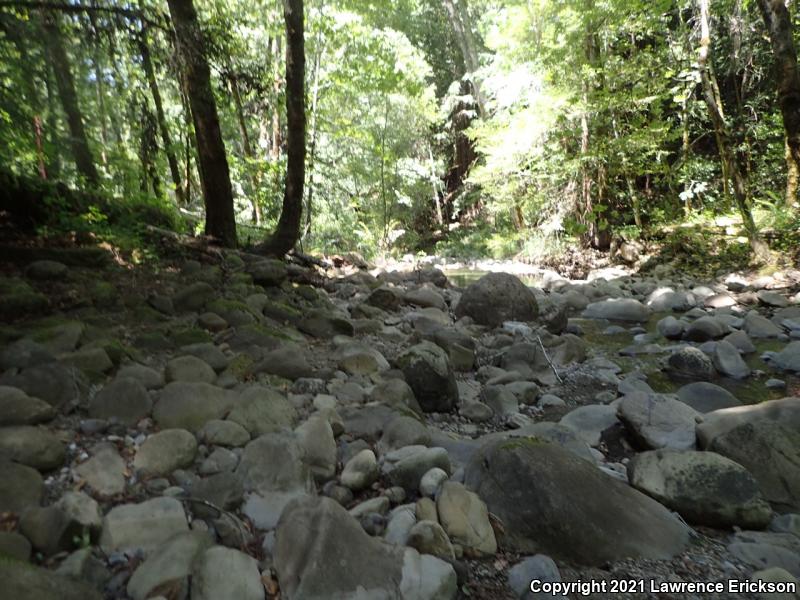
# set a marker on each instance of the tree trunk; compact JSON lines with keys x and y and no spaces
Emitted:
{"x":288,"y":230}
{"x":69,"y":99}
{"x":779,"y":26}
{"x":731,"y":167}
{"x":213,"y":163}
{"x":166,"y":140}
{"x":248,"y":150}
{"x":461,"y":22}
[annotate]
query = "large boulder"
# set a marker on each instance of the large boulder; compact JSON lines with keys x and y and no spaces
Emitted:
{"x":659,"y":420}
{"x":788,"y":359}
{"x":728,"y":361}
{"x":784,"y":410}
{"x":495,"y":298}
{"x":704,"y":487}
{"x":322,"y":552}
{"x":770,"y":450}
{"x":705,"y":397}
{"x":618,"y":309}
{"x":553,"y":502}
{"x":427,"y":370}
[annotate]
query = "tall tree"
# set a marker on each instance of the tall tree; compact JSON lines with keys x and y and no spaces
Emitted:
{"x":62,"y":69}
{"x":461,"y":22}
{"x":731,"y":167}
{"x":212,"y":161}
{"x":166,"y":139}
{"x":288,"y":230}
{"x":779,"y":26}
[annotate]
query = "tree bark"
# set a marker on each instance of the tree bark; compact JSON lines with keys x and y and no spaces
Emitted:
{"x":288,"y":230}
{"x":461,"y":22}
{"x":166,"y":139}
{"x":214,"y":173}
{"x":62,"y":70}
{"x":779,"y":26}
{"x":730,"y":165}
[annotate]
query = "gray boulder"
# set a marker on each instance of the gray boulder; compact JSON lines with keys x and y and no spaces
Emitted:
{"x":495,"y":298}
{"x":659,"y":421}
{"x":313,"y":530}
{"x":124,"y":399}
{"x":770,"y":450}
{"x":618,"y":309}
{"x":728,"y":361}
{"x":690,"y":363}
{"x":704,"y":487}
{"x":706,"y":397}
{"x":550,"y":501}
{"x":427,"y":370}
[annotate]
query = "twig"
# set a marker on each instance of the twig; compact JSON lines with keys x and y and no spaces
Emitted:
{"x":549,"y":362}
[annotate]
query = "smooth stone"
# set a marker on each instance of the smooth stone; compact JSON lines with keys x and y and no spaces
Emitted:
{"x":728,"y":361}
{"x":704,"y":487}
{"x":143,"y":526}
{"x":360,"y":471}
{"x":618,"y":309}
{"x":124,"y":399}
{"x":149,"y":378}
{"x":495,"y":298}
{"x":165,"y":451}
{"x":428,"y":372}
{"x":17,"y":408}
{"x":32,"y":446}
{"x":706,"y":397}
{"x":226,"y":574}
{"x":314,"y":529}
{"x":223,"y":433}
{"x":170,"y":563}
{"x":659,"y":421}
{"x":27,"y":582}
{"x":589,"y":422}
{"x":553,"y":502}
{"x":104,"y":472}
{"x":261,"y":410}
{"x":189,"y":368}
{"x":186,"y":405}
{"x":21,"y":487}
{"x":465,"y":518}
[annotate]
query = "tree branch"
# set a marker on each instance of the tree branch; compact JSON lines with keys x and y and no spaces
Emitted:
{"x":128,"y":13}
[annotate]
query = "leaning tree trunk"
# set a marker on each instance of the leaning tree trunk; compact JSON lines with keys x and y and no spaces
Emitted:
{"x":779,"y":26}
{"x":288,"y":230}
{"x":213,"y":163}
{"x":730,"y":165}
{"x":62,"y":70}
{"x":150,"y":75}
